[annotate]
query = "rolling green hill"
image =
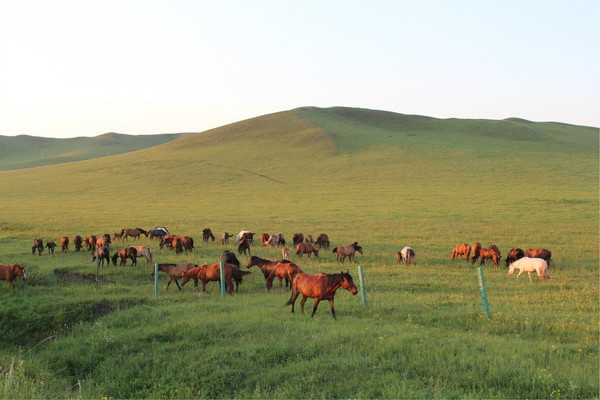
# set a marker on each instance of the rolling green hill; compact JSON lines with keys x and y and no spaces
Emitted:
{"x":383,"y":179}
{"x":30,"y":151}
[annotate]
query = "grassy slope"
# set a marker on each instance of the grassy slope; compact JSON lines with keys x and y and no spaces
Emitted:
{"x":384,"y":179}
{"x":24,"y":151}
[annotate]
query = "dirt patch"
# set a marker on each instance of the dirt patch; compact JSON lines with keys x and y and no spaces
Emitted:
{"x":65,"y":277}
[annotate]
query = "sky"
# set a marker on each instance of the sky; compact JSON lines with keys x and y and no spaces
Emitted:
{"x":84,"y":67}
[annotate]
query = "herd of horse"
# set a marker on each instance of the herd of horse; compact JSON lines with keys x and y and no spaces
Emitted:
{"x":319,"y":286}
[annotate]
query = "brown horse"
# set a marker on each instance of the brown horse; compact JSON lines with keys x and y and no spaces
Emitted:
{"x":179,"y":243}
{"x":347,"y":250}
{"x":144,"y":251}
{"x":514,"y":255}
{"x":322,"y":241}
{"x":275,"y":240}
{"x":476,"y":249}
{"x":244,"y":246}
{"x":117,"y":235}
{"x":207,"y":273}
{"x":50,"y":246}
{"x":10,"y":272}
{"x":90,"y":242}
{"x":64,"y":244}
{"x":306,"y":248}
{"x":490,"y":254}
{"x":461,"y":249}
{"x":266,"y":266}
{"x":320,"y":287}
{"x":282,"y":270}
{"x":309,"y":239}
{"x":175,"y":271}
{"x":207,"y":234}
{"x":225,"y":237}
{"x":124,"y":253}
{"x":297,"y":238}
{"x":539,"y":253}
{"x":133,"y":232}
{"x":101,"y":254}
{"x":264,"y":238}
{"x":38,"y":244}
{"x":78,"y":242}
{"x":101,"y":242}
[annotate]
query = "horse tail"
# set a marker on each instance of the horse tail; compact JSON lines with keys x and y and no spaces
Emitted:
{"x":335,"y":249}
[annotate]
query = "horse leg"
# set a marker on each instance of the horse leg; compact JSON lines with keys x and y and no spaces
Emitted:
{"x":529,"y":273}
{"x":332,"y":309}
{"x":520,"y":272}
{"x":293,"y":298}
{"x":204,"y":287}
{"x":304,"y":298}
{"x":315,"y":307}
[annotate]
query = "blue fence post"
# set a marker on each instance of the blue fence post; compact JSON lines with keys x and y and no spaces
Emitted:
{"x":222,"y":279}
{"x":363,"y":290}
{"x":156,"y":280}
{"x":484,"y":300}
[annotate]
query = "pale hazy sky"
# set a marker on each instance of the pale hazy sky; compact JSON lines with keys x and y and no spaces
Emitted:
{"x":83,"y":68}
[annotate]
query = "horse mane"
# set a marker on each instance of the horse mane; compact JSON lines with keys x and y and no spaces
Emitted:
{"x":141,"y":230}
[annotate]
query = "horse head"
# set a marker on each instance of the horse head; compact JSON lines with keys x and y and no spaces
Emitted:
{"x":348,"y":283}
{"x":20,"y":271}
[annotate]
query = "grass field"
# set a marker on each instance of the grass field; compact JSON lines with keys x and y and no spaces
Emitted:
{"x":385,"y":180}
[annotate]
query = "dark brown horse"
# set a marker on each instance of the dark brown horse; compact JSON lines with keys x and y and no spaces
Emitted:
{"x":322,"y":241}
{"x":207,"y":234}
{"x":50,"y":246}
{"x":306,"y":248}
{"x":297,"y":238}
{"x":461,"y":249}
{"x":64,"y":244}
{"x":309,"y":239}
{"x":107,"y":239}
{"x":124,"y":253}
{"x":514,"y":255}
{"x":282,"y":270}
{"x":539,"y":253}
{"x":347,"y":250}
{"x":117,"y":235}
{"x":78,"y":242}
{"x":175,"y":271}
{"x":90,"y":242}
{"x":38,"y":244}
{"x":320,"y":287}
{"x":244,"y":246}
{"x":101,"y":254}
{"x":475,"y":249}
{"x":133,"y":232}
{"x":10,"y":272}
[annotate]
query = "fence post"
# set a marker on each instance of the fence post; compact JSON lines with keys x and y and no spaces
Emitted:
{"x":484,"y":300}
{"x":155,"y":279}
{"x":363,"y":290}
{"x":222,"y":279}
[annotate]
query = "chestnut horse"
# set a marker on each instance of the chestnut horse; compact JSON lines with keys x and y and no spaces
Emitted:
{"x":309,"y":239}
{"x":90,"y":242}
{"x":476,"y":249}
{"x":347,"y":250}
{"x":306,"y":248}
{"x":207,"y":273}
{"x":10,"y":272}
{"x":133,"y":232}
{"x":38,"y":244}
{"x":529,"y":265}
{"x":282,"y":270}
{"x":539,"y":253}
{"x":322,"y":241}
{"x":124,"y":253}
{"x":64,"y":244}
{"x":175,"y":271}
{"x":101,"y":254}
{"x":266,"y":266}
{"x":78,"y":242}
{"x":514,"y":255}
{"x":320,"y":287}
{"x":461,"y":249}
{"x":264,"y":238}
{"x":225,"y":237}
{"x":491,"y":254}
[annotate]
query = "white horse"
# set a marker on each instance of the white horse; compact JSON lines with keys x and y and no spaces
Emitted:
{"x":239,"y":235}
{"x":529,"y":265}
{"x":146,"y":252}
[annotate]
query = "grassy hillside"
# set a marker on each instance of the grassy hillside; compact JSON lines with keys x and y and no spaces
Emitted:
{"x":24,"y":151}
{"x":386,"y":180}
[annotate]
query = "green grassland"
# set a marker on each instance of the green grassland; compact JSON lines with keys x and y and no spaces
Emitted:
{"x":25,"y":151}
{"x":383,"y":179}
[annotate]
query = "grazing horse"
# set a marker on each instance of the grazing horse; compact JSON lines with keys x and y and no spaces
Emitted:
{"x":347,"y":250}
{"x":406,"y":255}
{"x":539,"y":253}
{"x":117,"y":235}
{"x":306,"y":248}
{"x":309,"y":239}
{"x":101,"y":254}
{"x":90,"y":242}
{"x":461,"y":249}
{"x":207,"y":273}
{"x":124,"y":253}
{"x":100,"y":242}
{"x":245,"y":235}
{"x":476,"y":249}
{"x":514,"y":255}
{"x":320,"y":287}
{"x":175,"y":271}
{"x":207,"y":234}
{"x":38,"y":244}
{"x":229,"y":257}
{"x":244,"y":246}
{"x":282,"y":270}
{"x":322,"y":241}
{"x":264,"y":238}
{"x":107,"y":239}
{"x":225,"y":237}
{"x":133,"y":232}
{"x":529,"y":265}
{"x":297,"y":238}
{"x":285,"y":252}
{"x":490,"y":254}
{"x":146,"y":252}
{"x":10,"y":272}
{"x":158,"y":232}
{"x":179,"y":243}
{"x":50,"y":246}
{"x":64,"y":244}
{"x":78,"y":242}
{"x":275,"y":240}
